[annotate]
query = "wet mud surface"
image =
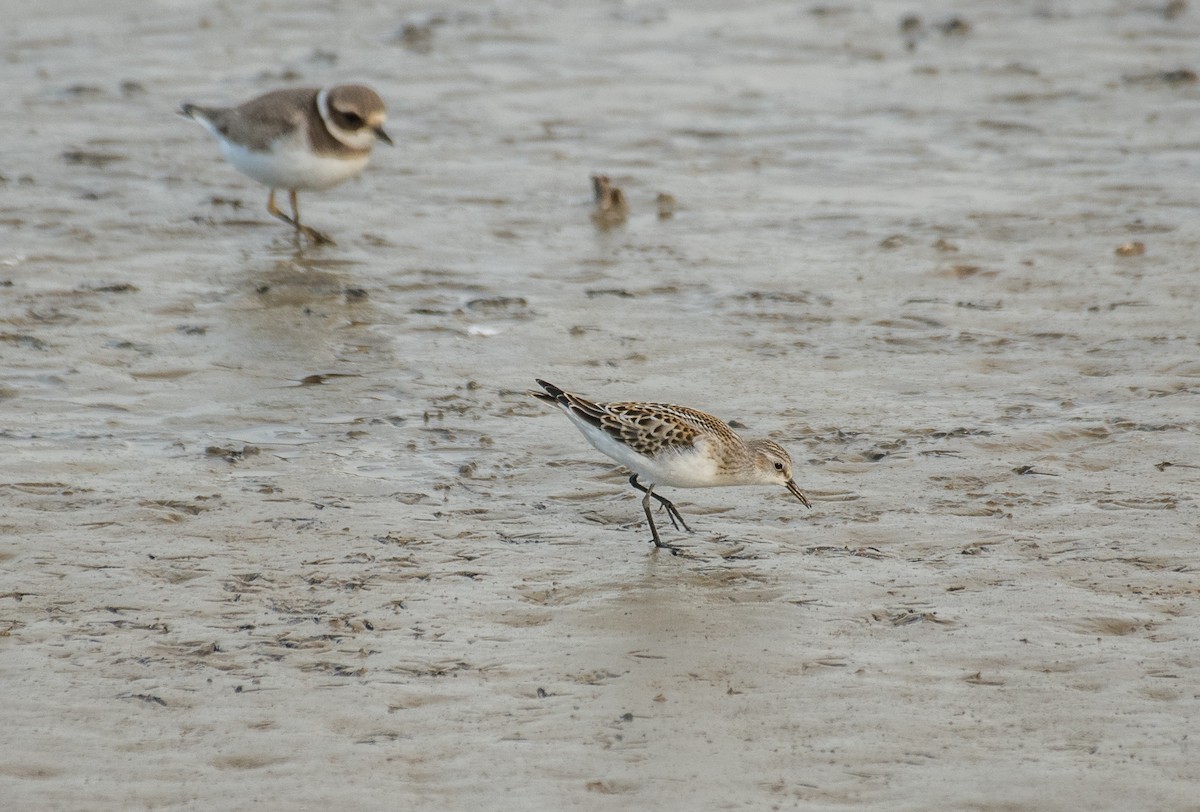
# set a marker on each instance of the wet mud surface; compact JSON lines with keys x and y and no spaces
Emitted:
{"x":279,"y":527}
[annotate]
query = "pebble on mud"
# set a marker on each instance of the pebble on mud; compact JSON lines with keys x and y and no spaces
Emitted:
{"x":1131,"y":249}
{"x":416,"y":32}
{"x":912,"y":28}
{"x":666,"y":205}
{"x":611,"y":207}
{"x":1171,"y":78}
{"x":230,"y":454}
{"x":954,"y":27}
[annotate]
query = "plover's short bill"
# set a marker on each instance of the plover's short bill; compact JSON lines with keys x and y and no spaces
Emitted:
{"x":303,"y":139}
{"x":674,"y":446}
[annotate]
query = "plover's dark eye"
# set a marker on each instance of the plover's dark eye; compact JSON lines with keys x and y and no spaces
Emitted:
{"x":779,"y":466}
{"x":353,"y":120}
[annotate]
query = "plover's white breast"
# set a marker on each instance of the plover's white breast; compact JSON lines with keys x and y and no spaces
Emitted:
{"x":291,"y":164}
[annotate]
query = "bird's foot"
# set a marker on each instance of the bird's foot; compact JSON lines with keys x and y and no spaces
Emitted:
{"x":659,"y":544}
{"x":316,"y":237}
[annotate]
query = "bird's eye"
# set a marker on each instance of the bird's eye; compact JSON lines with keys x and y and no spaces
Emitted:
{"x":779,"y":466}
{"x":353,"y":119}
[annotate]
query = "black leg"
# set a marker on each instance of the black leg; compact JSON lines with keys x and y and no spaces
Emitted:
{"x":658,"y":542}
{"x":672,"y":511}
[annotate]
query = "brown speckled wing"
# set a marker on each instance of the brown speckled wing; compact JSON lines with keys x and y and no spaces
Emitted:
{"x":655,"y":428}
{"x":647,"y":428}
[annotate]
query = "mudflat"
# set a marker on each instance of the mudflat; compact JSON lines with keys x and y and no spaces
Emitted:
{"x":280,"y":528}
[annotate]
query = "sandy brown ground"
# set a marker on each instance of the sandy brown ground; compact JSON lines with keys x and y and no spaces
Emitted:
{"x":282,"y":531}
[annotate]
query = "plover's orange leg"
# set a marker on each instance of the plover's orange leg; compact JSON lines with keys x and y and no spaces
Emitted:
{"x":275,"y":211}
{"x":317,"y":237}
{"x":314,"y":236}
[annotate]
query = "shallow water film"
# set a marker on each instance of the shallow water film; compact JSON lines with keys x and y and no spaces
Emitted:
{"x":280,"y":527}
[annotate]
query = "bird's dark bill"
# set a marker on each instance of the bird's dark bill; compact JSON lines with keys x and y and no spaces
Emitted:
{"x":795,"y":491}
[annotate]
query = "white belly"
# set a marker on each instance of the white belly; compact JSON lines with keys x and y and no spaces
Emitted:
{"x":692,"y":468}
{"x":290,"y":165}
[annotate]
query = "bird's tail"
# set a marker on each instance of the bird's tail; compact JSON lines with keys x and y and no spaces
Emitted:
{"x":552,"y":394}
{"x":576,"y":407}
